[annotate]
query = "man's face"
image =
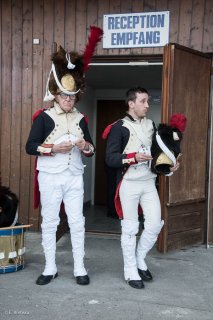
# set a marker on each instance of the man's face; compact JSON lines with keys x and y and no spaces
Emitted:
{"x":66,"y":102}
{"x":140,"y":106}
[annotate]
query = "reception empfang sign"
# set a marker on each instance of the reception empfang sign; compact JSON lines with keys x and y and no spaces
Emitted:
{"x":136,"y":30}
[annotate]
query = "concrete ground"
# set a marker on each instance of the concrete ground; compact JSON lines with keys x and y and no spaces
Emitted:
{"x":182,"y":287}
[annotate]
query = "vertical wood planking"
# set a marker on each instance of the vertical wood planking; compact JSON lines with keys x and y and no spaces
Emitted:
{"x":185,"y":22}
{"x":197,"y":24}
{"x":6,"y":70}
{"x":48,"y":42}
{"x":26,"y":170}
{"x":208,"y":27}
{"x":92,"y":13}
{"x":70,"y":25}
{"x":149,"y":6}
{"x":92,"y":19}
{"x":37,"y":90}
{"x":59,"y":22}
{"x":38,"y":33}
{"x":103,"y":8}
{"x":80,"y":25}
{"x":174,"y":8}
{"x":16,"y":84}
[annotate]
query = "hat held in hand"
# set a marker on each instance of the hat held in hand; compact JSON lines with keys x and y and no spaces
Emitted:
{"x":166,"y":144}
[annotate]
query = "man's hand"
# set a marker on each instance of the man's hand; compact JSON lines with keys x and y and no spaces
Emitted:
{"x":141,"y":157}
{"x":81,"y":144}
{"x":63,"y":147}
{"x":176,"y":167}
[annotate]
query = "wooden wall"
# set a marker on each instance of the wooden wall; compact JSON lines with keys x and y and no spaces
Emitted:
{"x":24,"y":66}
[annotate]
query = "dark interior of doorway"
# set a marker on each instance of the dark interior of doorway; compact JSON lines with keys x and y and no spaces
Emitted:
{"x":108,"y":111}
{"x":97,"y":216}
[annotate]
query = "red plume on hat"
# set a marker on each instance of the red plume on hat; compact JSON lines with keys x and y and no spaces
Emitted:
{"x":178,"y":121}
{"x":67,"y":73}
{"x":94,"y":37}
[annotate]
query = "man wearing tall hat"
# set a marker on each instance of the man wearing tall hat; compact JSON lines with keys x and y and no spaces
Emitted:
{"x":128,"y":150}
{"x":59,"y":137}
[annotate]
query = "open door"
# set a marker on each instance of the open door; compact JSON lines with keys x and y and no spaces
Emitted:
{"x":186,"y":89}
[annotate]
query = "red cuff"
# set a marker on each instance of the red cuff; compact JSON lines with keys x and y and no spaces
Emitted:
{"x":129,"y":158}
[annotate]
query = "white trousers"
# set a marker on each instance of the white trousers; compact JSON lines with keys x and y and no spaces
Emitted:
{"x":54,"y":188}
{"x":133,"y":193}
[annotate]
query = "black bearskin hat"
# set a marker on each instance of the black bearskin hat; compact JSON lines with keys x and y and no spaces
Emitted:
{"x":8,"y":207}
{"x":68,"y":69}
{"x":166,"y":144}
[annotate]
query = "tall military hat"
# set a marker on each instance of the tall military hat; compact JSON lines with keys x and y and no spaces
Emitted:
{"x":166,"y":144}
{"x":67,"y":73}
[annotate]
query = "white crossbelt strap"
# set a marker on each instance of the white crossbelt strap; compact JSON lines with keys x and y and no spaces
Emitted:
{"x":141,"y":136}
{"x":164,"y":148}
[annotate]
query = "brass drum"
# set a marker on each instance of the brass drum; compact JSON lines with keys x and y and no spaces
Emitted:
{"x":12,"y":249}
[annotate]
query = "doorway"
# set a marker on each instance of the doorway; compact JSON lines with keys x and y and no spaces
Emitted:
{"x":108,"y":111}
{"x":183,"y":197}
{"x":109,"y":84}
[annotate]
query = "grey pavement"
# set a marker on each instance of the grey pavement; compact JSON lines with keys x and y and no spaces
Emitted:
{"x":182,"y":287}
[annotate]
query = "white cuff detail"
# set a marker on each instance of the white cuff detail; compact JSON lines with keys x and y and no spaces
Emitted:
{"x":91,"y":149}
{"x":44,"y":150}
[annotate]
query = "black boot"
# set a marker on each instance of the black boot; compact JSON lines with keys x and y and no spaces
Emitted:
{"x":42,"y":280}
{"x":137,"y":284}
{"x":82,"y":280}
{"x":145,"y":275}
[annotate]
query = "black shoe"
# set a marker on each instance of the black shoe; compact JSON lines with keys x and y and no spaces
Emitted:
{"x":83,"y":280}
{"x":45,"y":279}
{"x":137,"y":284}
{"x":145,"y":275}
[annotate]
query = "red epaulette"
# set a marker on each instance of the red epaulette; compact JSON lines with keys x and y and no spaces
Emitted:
{"x":86,"y":117}
{"x":36,"y":114}
{"x":107,"y":130}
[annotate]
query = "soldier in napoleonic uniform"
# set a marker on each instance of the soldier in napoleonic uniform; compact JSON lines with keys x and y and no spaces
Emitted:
{"x":59,"y":137}
{"x":129,"y":143}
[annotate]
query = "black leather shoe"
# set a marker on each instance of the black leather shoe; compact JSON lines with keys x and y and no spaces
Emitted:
{"x":45,"y":279}
{"x":137,"y":284}
{"x":83,"y":280}
{"x":145,"y":275}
